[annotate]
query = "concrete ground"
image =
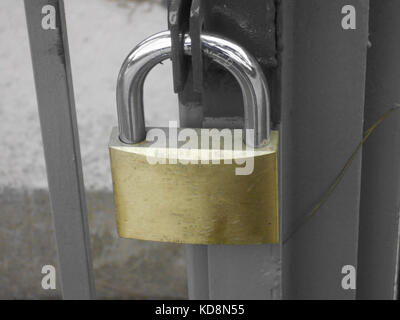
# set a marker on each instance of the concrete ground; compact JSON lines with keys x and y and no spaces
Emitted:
{"x":101,"y":33}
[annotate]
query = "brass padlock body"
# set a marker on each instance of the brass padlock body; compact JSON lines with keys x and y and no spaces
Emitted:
{"x":195,"y":203}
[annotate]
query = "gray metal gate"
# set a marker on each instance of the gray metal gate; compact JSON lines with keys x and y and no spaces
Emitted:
{"x":329,"y":85}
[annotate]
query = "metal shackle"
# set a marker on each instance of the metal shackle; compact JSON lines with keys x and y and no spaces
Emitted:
{"x":241,"y":64}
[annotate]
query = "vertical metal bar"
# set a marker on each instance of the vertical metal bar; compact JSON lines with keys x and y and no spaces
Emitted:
{"x":380,"y":196}
{"x":191,"y":116}
{"x":52,"y":71}
{"x":241,"y":272}
{"x":229,"y":271}
{"x":323,"y":82}
{"x":178,"y":24}
{"x":197,"y":272}
{"x":250,"y":272}
{"x":244,"y":272}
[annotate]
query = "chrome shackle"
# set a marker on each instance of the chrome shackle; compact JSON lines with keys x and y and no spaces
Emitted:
{"x":240,"y":63}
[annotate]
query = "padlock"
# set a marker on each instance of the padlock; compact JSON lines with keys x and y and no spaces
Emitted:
{"x":195,"y":201}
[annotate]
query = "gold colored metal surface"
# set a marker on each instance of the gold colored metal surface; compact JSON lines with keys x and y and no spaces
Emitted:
{"x":195,"y":203}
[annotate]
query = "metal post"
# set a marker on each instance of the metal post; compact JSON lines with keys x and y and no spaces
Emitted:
{"x":380,"y":196}
{"x":244,"y":272}
{"x":233,"y":272}
{"x":52,"y":71}
{"x":323,"y":82}
{"x":197,"y":272}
